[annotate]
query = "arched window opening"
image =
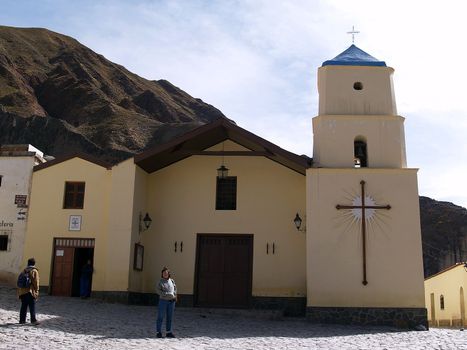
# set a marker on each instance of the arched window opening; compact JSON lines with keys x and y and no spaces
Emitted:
{"x":360,"y":154}
{"x":441,"y":302}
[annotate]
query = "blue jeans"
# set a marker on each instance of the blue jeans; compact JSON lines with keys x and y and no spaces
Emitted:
{"x":27,"y":301}
{"x":166,"y":308}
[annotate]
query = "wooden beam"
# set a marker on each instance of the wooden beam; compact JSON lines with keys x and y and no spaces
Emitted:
{"x":227,"y":153}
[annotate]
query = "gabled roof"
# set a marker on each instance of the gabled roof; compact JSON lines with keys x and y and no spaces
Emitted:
{"x":196,"y":141}
{"x":64,"y":158}
{"x":354,"y":56}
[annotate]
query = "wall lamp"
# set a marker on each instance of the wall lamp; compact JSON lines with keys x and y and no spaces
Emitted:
{"x":298,"y":223}
{"x":222,"y":171}
{"x":144,"y":223}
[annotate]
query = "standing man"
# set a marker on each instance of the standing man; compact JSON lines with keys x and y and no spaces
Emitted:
{"x":28,"y":291}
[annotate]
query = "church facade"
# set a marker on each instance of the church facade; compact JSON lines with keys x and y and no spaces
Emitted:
{"x":243,"y":223}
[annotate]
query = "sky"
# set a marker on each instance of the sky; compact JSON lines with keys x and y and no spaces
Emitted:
{"x":257,"y":61}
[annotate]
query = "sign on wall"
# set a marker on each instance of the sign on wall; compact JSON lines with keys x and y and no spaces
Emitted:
{"x":138,"y":258}
{"x":21,"y":200}
{"x":74,"y":223}
{"x":21,"y":215}
{"x":5,"y":224}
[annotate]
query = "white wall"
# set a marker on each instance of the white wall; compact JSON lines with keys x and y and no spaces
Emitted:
{"x":16,"y":172}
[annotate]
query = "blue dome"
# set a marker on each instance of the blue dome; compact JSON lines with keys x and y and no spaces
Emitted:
{"x":354,"y":56}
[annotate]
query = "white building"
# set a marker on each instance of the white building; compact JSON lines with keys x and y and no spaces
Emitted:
{"x":16,"y":163}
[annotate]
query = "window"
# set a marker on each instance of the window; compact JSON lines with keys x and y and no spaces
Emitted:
{"x":441,"y":302}
{"x":1,"y":178}
{"x":358,"y":85}
{"x":226,"y":193}
{"x":360,"y":154}
{"x":74,"y":195}
{"x":3,"y":242}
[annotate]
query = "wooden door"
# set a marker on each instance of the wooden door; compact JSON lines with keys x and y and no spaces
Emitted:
{"x":224,"y":270}
{"x":62,"y":279}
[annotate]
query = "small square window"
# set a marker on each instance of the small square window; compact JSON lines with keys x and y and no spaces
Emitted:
{"x":74,"y":195}
{"x":3,"y":242}
{"x":226,"y":193}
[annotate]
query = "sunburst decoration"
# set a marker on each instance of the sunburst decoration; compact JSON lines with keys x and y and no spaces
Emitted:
{"x":364,"y":215}
{"x":376,"y":220}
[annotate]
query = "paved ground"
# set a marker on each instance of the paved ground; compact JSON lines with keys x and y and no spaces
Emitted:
{"x":72,"y":323}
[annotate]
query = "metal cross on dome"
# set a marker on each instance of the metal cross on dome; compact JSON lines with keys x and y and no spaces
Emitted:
{"x":353,"y":32}
{"x":362,"y":212}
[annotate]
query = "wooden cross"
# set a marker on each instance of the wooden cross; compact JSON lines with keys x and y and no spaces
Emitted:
{"x":353,"y":32}
{"x":362,"y":207}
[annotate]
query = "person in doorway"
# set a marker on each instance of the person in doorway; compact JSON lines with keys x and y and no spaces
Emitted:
{"x":28,"y":292}
{"x":167,"y":291}
{"x":85,"y":280}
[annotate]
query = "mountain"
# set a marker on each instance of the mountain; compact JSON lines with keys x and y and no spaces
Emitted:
{"x":444,"y":234}
{"x":60,"y":96}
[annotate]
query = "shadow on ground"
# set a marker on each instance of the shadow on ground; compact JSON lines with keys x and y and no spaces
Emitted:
{"x":105,"y":320}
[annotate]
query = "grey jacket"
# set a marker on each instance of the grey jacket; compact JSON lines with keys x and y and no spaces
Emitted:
{"x":166,"y":289}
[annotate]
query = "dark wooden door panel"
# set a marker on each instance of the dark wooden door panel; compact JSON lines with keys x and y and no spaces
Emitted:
{"x":62,"y":279}
{"x":235,"y":293}
{"x":224,"y":269}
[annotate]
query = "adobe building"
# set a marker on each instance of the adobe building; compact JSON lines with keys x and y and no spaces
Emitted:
{"x":242,"y":223}
{"x":16,"y":163}
{"x":446,"y":296}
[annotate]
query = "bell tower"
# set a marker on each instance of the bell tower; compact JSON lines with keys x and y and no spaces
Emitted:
{"x":364,"y":251}
{"x":357,"y":125}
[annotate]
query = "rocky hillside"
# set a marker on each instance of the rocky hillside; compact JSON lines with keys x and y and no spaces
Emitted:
{"x":61,"y":96}
{"x":444,"y":234}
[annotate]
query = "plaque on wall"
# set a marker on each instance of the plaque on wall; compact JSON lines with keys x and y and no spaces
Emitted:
{"x":20,"y":200}
{"x":139,"y":255}
{"x":75,"y":223}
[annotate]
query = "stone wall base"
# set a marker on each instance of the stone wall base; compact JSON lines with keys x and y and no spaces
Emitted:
{"x":287,"y":306}
{"x":407,"y":318}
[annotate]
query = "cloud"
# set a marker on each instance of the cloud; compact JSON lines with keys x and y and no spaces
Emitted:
{"x":257,"y":62}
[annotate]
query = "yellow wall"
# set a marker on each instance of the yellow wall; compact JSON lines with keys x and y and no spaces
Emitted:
{"x":122,"y":227}
{"x":448,"y":284}
{"x":181,"y":201}
{"x":334,"y":240}
{"x":338,"y":97}
{"x":334,"y":137}
{"x":47,"y":218}
{"x":139,"y":208}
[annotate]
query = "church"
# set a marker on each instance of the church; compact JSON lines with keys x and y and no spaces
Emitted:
{"x":243,"y":223}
